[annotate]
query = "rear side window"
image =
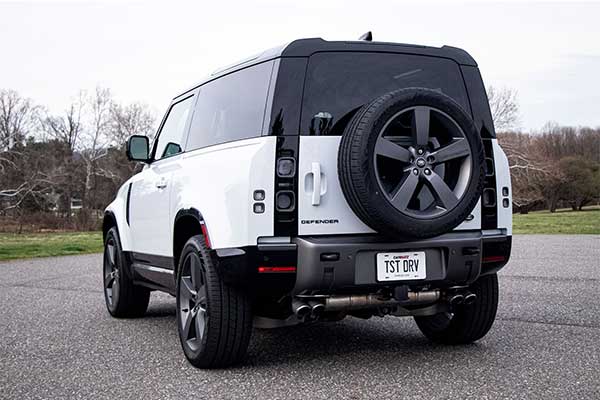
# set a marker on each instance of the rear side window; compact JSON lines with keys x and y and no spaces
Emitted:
{"x":337,"y":84}
{"x":231,"y":108}
{"x":170,"y":138}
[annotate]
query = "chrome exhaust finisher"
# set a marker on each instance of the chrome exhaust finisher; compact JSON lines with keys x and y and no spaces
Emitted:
{"x":470,"y":298}
{"x":317,"y":308}
{"x":456,"y":299}
{"x":301,"y":309}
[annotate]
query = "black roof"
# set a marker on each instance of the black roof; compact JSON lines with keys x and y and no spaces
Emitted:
{"x":307,"y":47}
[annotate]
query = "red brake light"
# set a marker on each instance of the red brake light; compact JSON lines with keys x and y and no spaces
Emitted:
{"x":264,"y":269}
{"x":492,"y":259}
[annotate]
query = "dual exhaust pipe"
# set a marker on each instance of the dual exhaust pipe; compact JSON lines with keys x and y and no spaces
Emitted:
{"x":310,"y":308}
{"x":316,"y":307}
{"x":466,"y":298}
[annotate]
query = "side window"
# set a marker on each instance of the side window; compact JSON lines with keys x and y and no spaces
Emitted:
{"x":171,"y":136}
{"x":231,"y":108}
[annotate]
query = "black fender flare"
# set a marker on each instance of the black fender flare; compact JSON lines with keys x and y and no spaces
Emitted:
{"x":232,"y":263}
{"x":109,"y":221}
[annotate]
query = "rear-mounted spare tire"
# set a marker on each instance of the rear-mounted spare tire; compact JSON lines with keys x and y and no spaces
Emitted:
{"x":411,"y":163}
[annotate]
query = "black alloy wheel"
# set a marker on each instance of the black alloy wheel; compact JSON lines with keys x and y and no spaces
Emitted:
{"x":214,"y":318}
{"x":111,"y":273}
{"x":123,"y":298}
{"x":423,"y":174}
{"x":193,"y":306}
{"x":411,"y":163}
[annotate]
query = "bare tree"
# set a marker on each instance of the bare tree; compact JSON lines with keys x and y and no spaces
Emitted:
{"x":95,"y":141}
{"x":17,"y":117}
{"x":126,"y":120}
{"x":67,"y":128}
{"x":132,"y":119}
{"x":504,"y":107}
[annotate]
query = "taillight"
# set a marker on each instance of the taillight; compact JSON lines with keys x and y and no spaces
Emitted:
{"x":285,"y":200}
{"x":489,"y":213}
{"x":276,"y":269}
{"x":286,"y":186}
{"x":286,"y":167}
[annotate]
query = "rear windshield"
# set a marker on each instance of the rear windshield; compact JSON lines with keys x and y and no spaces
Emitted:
{"x":337,"y":84}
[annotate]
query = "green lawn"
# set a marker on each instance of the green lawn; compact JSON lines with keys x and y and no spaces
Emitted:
{"x":27,"y":245}
{"x":561,"y":221}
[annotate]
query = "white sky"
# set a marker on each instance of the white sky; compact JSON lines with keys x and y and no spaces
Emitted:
{"x":549,"y":52}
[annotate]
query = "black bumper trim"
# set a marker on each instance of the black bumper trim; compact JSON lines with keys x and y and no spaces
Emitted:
{"x":447,"y":262}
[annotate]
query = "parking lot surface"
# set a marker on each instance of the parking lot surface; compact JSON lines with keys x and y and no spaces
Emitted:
{"x":58,"y":341}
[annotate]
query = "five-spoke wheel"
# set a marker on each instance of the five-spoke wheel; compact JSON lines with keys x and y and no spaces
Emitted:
{"x":426,"y":162}
{"x":214,"y":318}
{"x":192,"y":301}
{"x":111,"y":272}
{"x":411,"y":163}
{"x":123,"y":298}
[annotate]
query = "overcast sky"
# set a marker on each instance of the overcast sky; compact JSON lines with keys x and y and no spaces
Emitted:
{"x":548,"y":52}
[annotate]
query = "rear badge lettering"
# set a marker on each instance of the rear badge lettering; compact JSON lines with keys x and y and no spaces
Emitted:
{"x":319,"y":221}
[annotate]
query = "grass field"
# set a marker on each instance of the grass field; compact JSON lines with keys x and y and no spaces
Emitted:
{"x":561,"y":221}
{"x":28,"y":245}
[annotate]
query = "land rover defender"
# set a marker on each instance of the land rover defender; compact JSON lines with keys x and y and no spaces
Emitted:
{"x":315,"y":181}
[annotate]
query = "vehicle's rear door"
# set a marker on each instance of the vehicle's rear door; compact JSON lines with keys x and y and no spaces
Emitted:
{"x":336,"y":86}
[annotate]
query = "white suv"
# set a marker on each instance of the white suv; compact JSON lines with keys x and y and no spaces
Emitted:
{"x":314,"y":181}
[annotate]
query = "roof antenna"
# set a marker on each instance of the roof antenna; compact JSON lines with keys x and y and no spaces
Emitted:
{"x":367,"y":37}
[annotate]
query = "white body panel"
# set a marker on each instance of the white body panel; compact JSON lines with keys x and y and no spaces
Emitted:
{"x":502,"y":171}
{"x":118,"y":208}
{"x":332,"y":204}
{"x":218,"y":181}
{"x":149,"y":207}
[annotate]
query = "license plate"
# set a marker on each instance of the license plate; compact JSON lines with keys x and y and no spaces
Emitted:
{"x":401,"y":266}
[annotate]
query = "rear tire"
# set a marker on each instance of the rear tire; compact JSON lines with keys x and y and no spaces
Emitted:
{"x":214,"y":320}
{"x":467,"y":323}
{"x":419,"y":189}
{"x":123,"y":298}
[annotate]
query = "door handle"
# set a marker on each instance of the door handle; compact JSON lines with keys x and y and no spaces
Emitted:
{"x":319,"y":183}
{"x":316,"y":194}
{"x":161,"y":184}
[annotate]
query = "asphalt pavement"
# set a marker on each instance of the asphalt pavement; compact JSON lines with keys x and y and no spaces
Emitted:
{"x":58,"y":341}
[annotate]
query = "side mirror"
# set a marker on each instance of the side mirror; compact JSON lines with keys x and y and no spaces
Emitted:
{"x":137,"y":148}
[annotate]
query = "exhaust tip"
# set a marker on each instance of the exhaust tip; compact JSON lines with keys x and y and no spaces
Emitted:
{"x":456,"y":299}
{"x":316,"y":307}
{"x":470,"y":298}
{"x":301,"y":309}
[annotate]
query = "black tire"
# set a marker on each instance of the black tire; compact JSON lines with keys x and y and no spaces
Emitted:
{"x":359,"y":180}
{"x":123,"y":298}
{"x":467,"y":323}
{"x":222,"y":316}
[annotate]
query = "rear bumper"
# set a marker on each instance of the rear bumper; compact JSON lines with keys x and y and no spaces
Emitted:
{"x":328,"y":264}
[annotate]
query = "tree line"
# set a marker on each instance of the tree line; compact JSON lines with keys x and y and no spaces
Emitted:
{"x":59,"y":170}
{"x":555,"y":167}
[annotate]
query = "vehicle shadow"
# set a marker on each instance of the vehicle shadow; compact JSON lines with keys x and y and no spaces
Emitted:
{"x":391,"y":339}
{"x":376,"y":340}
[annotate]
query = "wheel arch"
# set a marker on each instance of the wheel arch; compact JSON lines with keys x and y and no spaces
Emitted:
{"x":108,"y":222}
{"x":187,"y":223}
